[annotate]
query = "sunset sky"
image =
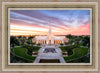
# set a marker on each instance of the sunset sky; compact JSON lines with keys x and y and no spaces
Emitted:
{"x":36,"y":22}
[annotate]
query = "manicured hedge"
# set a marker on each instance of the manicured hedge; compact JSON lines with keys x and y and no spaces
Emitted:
{"x":22,"y":52}
{"x":31,"y":49}
{"x":16,"y":59}
{"x":68,"y":49}
{"x":78,"y":52}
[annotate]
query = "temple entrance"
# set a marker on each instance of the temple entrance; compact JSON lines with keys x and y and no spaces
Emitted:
{"x":49,"y":42}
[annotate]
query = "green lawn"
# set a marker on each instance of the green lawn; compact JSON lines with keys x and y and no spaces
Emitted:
{"x":83,"y":59}
{"x":78,"y":52}
{"x":22,"y":52}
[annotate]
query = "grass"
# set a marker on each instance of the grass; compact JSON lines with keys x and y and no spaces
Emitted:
{"x":22,"y":52}
{"x":78,"y":52}
{"x":83,"y":59}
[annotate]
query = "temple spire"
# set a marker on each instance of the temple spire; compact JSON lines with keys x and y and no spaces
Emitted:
{"x":50,"y":27}
{"x":49,"y":33}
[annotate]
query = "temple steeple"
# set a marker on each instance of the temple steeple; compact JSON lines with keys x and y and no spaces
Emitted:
{"x":49,"y":33}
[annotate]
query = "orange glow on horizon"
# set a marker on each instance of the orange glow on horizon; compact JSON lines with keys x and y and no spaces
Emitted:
{"x":30,"y":30}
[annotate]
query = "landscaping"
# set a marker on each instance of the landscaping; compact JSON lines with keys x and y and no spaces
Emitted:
{"x":22,"y":52}
{"x":16,"y":59}
{"x":22,"y":49}
{"x":83,"y":59}
{"x":77,"y":49}
{"x":68,"y":49}
{"x":78,"y":52}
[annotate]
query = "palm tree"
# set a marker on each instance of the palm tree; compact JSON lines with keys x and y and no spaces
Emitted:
{"x":13,"y":42}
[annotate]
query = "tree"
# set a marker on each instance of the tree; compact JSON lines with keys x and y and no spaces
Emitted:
{"x":19,"y":38}
{"x":69,"y":36}
{"x":28,"y":42}
{"x":66,"y":43}
{"x":38,"y":44}
{"x":23,"y":39}
{"x":61,"y":44}
{"x":32,"y":43}
{"x":86,"y":42}
{"x":30,"y":38}
{"x":13,"y":42}
{"x":77,"y":40}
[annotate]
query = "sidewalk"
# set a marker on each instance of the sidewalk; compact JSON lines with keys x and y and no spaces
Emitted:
{"x":50,"y":55}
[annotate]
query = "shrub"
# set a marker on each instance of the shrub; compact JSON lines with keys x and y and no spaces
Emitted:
{"x":38,"y":44}
{"x":61,"y":44}
{"x":68,"y":49}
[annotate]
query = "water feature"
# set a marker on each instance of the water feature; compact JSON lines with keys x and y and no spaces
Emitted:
{"x":48,"y":50}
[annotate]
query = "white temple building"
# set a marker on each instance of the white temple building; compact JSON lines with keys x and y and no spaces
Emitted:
{"x":50,"y":38}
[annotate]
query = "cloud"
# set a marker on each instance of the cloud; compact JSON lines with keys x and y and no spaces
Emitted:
{"x":62,"y":21}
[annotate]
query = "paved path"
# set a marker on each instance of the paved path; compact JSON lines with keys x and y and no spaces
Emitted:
{"x":49,"y":55}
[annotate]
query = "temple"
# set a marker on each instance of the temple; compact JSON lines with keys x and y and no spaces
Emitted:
{"x":50,"y":38}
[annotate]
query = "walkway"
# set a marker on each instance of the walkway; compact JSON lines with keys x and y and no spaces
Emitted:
{"x":49,"y":55}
